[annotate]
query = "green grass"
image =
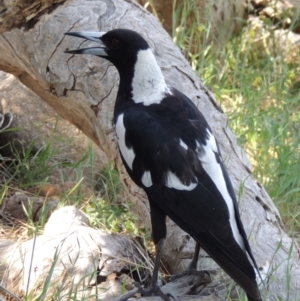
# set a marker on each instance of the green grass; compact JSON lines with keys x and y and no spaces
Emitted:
{"x":28,"y":166}
{"x":259,"y":92}
{"x":95,"y":192}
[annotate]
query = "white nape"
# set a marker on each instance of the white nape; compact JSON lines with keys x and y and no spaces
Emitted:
{"x":148,"y":83}
{"x":206,"y":154}
{"x":146,"y":178}
{"x":127,"y":153}
{"x":174,"y":182}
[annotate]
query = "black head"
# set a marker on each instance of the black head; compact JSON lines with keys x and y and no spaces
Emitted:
{"x":120,"y":46}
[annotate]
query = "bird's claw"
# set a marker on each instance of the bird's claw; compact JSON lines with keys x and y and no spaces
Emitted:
{"x":154,"y":290}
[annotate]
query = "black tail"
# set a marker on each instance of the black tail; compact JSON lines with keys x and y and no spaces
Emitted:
{"x":252,"y":299}
{"x":233,"y":260}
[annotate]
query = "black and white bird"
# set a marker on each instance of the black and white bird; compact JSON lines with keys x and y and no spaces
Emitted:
{"x":170,"y":151}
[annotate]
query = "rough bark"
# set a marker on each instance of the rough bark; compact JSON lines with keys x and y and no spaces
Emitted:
{"x":82,"y":89}
{"x":23,"y":12}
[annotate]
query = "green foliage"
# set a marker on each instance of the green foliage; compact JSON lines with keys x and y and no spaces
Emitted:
{"x":109,"y":183}
{"x":29,"y":165}
{"x":259,"y":91}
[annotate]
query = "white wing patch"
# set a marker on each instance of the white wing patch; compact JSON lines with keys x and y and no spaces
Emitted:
{"x":174,"y":182}
{"x":148,"y":83}
{"x":127,"y":153}
{"x":206,"y":154}
{"x":183,"y":144}
{"x":146,"y":179}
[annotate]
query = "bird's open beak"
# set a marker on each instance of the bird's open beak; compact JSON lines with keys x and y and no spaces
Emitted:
{"x":91,"y":36}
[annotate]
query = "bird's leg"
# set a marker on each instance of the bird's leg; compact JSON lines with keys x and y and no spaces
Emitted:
{"x":194,"y":262}
{"x":154,"y":289}
{"x":192,"y":268}
{"x":159,"y":247}
{"x":159,"y":230}
{"x":156,"y":266}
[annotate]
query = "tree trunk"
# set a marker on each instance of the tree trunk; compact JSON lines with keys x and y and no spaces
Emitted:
{"x":82,"y":89}
{"x":19,"y":13}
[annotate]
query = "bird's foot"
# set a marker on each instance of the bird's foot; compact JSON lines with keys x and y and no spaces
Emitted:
{"x":203,"y":275}
{"x":154,"y":290}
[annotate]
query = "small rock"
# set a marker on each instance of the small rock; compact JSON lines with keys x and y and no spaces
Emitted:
{"x":21,"y":207}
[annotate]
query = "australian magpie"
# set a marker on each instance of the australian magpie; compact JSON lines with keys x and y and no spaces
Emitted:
{"x":169,"y":150}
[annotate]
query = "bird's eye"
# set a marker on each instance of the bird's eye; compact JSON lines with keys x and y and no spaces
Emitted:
{"x":115,"y":42}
